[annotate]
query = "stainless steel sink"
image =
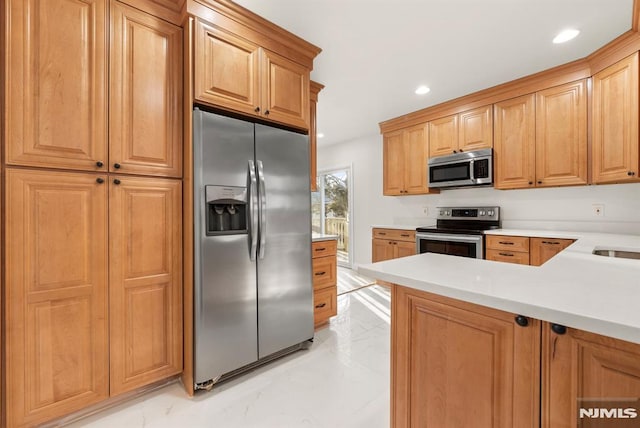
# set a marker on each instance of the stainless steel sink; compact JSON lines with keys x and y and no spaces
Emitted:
{"x":616,"y":253}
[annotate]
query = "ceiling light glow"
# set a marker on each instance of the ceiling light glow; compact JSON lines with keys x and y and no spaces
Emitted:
{"x":422,"y":90}
{"x":565,"y":36}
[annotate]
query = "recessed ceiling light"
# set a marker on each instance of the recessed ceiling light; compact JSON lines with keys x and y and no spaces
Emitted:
{"x":320,"y":135}
{"x":422,"y":90}
{"x":566,"y":35}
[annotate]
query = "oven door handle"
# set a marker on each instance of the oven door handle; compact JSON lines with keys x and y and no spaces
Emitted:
{"x":447,"y":237}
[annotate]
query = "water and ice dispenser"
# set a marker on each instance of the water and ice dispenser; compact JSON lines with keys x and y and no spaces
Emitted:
{"x":226,"y":210}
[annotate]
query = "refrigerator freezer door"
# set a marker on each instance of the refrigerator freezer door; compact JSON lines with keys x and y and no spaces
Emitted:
{"x":285,"y":291}
{"x":226,"y":315}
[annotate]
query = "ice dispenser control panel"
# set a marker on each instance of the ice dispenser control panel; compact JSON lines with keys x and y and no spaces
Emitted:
{"x":226,"y":210}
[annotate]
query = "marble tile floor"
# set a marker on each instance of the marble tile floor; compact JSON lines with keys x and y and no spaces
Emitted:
{"x":349,"y":280}
{"x":341,"y":381}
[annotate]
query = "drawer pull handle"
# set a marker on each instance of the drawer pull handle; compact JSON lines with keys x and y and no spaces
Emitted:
{"x":505,"y":243}
{"x":320,"y":273}
{"x":320,"y":249}
{"x":382,"y":233}
{"x":550,"y":242}
{"x":405,"y":235}
{"x":506,"y":254}
{"x":321,"y":305}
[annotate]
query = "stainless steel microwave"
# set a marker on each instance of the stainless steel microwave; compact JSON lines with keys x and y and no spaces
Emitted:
{"x":464,"y":169}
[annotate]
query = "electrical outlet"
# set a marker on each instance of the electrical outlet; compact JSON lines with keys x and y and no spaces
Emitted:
{"x":598,"y":210}
{"x":425,"y":210}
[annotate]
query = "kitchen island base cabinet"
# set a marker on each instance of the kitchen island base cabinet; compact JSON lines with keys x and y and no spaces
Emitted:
{"x":459,"y":365}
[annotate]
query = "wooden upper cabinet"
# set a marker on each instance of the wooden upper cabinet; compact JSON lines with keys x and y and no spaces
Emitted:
{"x":145,"y":268}
{"x":145,"y":119}
{"x":226,"y":70}
{"x":561,"y":135}
{"x":514,"y":143}
{"x":578,"y":365}
{"x":476,"y":129}
{"x":56,"y":291}
{"x":393,"y":160}
{"x":443,"y":136}
{"x":405,"y":162}
{"x":56,"y":84}
{"x":239,"y":75}
{"x":455,"y":364}
{"x":469,"y":130}
{"x":415,"y":166}
{"x":285,"y":90}
{"x":615,"y":123}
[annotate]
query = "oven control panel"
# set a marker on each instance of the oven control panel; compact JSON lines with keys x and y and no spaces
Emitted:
{"x":468,"y":213}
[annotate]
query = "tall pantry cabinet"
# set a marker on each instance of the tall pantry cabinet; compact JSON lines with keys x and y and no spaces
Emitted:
{"x":92,"y":136}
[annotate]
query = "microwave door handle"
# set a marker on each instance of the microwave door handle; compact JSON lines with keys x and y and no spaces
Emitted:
{"x":471,"y":170}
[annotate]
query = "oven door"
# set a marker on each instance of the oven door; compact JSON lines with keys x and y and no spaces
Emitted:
{"x":471,"y":246}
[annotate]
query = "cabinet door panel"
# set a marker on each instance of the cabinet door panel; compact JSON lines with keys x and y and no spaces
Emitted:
{"x":145,"y":281}
{"x":443,"y":136}
{"x":415,"y":171}
{"x":393,"y":173}
{"x":561,"y":135}
{"x":56,"y":84}
{"x":514,"y":143}
{"x":285,"y":90}
{"x":382,"y":249}
{"x":543,"y":249}
{"x":476,"y":129}
{"x":146,"y":91}
{"x":56,"y":292}
{"x":226,"y":70}
{"x":456,"y":364}
{"x":404,"y":249}
{"x":585,"y":365}
{"x":615,"y":122}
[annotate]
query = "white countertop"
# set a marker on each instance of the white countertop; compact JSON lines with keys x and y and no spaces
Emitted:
{"x":395,"y":226}
{"x":315,"y":237}
{"x":575,"y":288}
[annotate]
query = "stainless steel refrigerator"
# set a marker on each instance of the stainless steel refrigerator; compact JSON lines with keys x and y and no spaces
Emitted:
{"x":252,"y":226}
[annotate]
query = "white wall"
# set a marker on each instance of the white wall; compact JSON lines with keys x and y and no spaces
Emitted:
{"x":564,"y":208}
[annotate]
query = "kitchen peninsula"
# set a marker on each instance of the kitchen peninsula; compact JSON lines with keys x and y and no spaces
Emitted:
{"x":484,"y":343}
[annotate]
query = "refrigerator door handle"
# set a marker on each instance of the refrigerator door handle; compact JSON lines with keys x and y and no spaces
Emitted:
{"x":263,"y":209}
{"x":253,"y":211}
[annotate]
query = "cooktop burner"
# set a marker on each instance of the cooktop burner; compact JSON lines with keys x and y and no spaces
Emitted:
{"x":465,"y":220}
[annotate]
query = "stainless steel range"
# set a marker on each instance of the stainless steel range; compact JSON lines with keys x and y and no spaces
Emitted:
{"x":459,"y":231}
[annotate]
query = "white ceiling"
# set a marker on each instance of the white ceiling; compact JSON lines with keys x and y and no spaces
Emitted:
{"x":376,"y":52}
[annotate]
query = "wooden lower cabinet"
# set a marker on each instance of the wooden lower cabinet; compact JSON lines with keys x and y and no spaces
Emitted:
{"x":145,"y":287}
{"x":387,"y":244}
{"x":325,"y":280}
{"x":56,"y":292}
{"x":543,"y":249}
{"x":524,"y":250}
{"x":459,"y":365}
{"x":577,"y":365}
{"x":93,"y":289}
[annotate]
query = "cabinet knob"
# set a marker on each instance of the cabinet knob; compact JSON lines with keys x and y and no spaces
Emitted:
{"x":99,"y":164}
{"x":99,"y":180}
{"x":522,"y":321}
{"x":266,"y":112}
{"x":631,"y":173}
{"x":461,"y":150}
{"x":116,"y":181}
{"x":530,"y":183}
{"x":257,"y":109}
{"x":539,"y":182}
{"x":116,"y":165}
{"x":455,"y":151}
{"x":558,"y":329}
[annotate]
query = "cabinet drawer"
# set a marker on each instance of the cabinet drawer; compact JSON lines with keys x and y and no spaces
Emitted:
{"x":324,"y":272}
{"x":395,"y":234}
{"x":508,"y":256}
{"x":509,"y":243}
{"x":324,"y":248}
{"x":325,"y":305}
